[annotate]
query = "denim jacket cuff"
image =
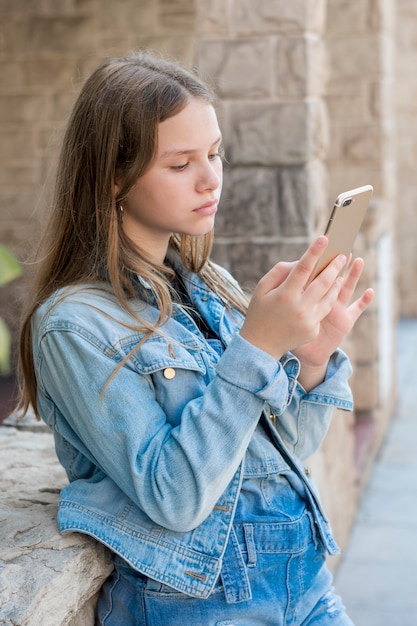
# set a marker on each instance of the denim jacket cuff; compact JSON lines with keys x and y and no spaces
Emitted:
{"x":334,"y":390}
{"x":250,"y":368}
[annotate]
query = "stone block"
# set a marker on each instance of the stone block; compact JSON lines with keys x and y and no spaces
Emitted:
{"x":356,"y":55}
{"x":407,"y":145}
{"x":180,"y":46}
{"x":343,"y":177}
{"x":176,"y":15}
{"x":213,"y":17}
{"x":405,"y":100}
{"x":366,"y":338}
{"x":382,"y":15}
{"x":406,"y":43}
{"x":12,"y":75}
{"x":61,"y":104}
{"x":358,"y":144}
{"x":24,"y":108}
{"x":247,"y":261}
{"x":277,"y":134}
{"x":317,"y":190}
{"x":47,"y":7}
{"x":354,"y":107}
{"x":15,"y":205}
{"x":53,"y":34}
{"x":45,"y":578}
{"x":406,"y":277}
{"x":345,"y":17}
{"x":302,"y":68}
{"x":22,"y":174}
{"x":274,"y":16}
{"x":375,"y":224}
{"x":339,"y":86}
{"x":365,"y":143}
{"x":50,"y":74}
{"x":237,"y":69}
{"x":250,"y":260}
{"x":249,"y":205}
{"x":296,"y":202}
{"x":17,"y":146}
{"x":50,"y":139}
{"x":259,"y":201}
{"x":290,"y":250}
{"x":365,"y":386}
{"x":120,"y":19}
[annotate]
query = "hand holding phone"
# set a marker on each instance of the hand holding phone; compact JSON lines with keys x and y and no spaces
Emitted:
{"x":344,"y":224}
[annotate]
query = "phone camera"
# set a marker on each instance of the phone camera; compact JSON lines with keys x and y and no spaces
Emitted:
{"x":347,"y":202}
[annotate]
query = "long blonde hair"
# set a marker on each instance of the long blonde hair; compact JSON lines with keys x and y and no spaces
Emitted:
{"x":112,"y":134}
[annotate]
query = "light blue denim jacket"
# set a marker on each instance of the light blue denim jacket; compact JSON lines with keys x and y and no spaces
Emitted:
{"x":155,"y":463}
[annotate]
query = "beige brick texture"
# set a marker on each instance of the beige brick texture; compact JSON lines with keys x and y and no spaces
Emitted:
{"x":405,"y":92}
{"x":360,"y":42}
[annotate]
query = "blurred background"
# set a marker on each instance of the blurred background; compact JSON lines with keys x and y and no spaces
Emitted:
{"x":315,"y":97}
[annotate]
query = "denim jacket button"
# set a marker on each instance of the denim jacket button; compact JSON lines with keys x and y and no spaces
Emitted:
{"x":169,"y":373}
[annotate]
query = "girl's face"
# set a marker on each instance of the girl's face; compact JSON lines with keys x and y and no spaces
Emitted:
{"x":179,"y":192}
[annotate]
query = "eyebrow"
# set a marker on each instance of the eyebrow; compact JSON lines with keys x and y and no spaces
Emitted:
{"x":172,"y":153}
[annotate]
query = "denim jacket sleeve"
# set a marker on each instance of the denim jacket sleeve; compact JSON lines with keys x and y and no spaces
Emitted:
{"x":305,"y":422}
{"x":174,"y":473}
{"x":302,"y":421}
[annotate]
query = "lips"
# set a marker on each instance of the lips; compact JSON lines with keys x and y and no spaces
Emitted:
{"x":208,"y":208}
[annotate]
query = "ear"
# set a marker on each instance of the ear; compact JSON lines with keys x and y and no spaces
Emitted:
{"x":116,"y":189}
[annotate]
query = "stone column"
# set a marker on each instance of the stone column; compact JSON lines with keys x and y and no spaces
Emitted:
{"x":406,"y":109}
{"x":266,"y":62}
{"x":362,"y":150}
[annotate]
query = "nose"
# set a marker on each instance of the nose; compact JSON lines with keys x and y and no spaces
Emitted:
{"x":210,"y":176}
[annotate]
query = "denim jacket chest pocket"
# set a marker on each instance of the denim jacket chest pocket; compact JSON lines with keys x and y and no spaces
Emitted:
{"x":179,"y":372}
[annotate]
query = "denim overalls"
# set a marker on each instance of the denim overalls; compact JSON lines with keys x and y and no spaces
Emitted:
{"x":178,"y":468}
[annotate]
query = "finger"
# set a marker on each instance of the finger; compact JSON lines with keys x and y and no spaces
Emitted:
{"x":351,"y":280}
{"x":327,"y":277}
{"x":331,"y":296}
{"x":276,"y":276}
{"x":305,"y":266}
{"x":361,"y":304}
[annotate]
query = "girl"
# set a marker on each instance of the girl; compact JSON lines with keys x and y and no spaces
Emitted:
{"x":181,"y":411}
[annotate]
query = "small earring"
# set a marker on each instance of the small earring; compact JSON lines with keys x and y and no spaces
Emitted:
{"x":121,"y":213}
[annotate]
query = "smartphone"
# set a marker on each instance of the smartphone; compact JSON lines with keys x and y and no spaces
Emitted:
{"x":344,"y":224}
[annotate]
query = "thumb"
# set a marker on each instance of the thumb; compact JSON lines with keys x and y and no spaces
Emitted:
{"x":276,"y":276}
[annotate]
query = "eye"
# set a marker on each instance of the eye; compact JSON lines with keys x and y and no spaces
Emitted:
{"x":217,"y":155}
{"x":179,"y":168}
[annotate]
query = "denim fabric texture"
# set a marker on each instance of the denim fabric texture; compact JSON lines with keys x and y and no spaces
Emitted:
{"x":274,"y":574}
{"x":179,"y":454}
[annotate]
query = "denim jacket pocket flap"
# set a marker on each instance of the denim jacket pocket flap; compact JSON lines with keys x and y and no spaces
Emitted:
{"x":159,"y":353}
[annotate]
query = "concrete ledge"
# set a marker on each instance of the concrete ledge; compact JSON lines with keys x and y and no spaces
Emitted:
{"x":45,"y":578}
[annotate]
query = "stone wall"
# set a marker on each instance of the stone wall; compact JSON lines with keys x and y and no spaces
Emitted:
{"x":360,"y":41}
{"x":267,"y":64}
{"x":306,"y":107}
{"x":405,"y":102}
